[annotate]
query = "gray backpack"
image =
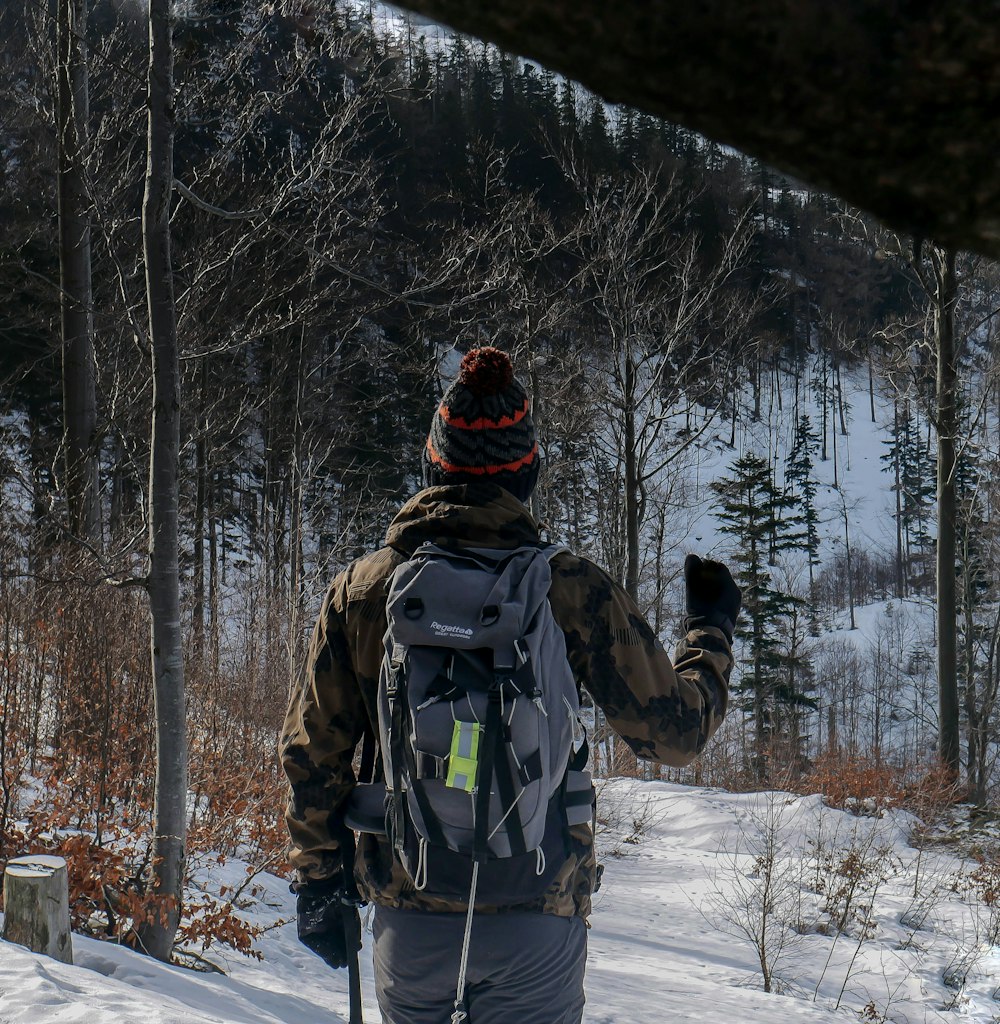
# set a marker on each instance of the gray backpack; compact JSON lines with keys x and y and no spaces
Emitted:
{"x":482,"y":748}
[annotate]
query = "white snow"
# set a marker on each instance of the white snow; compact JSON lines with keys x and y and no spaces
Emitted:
{"x":860,"y":475}
{"x":678,"y":860}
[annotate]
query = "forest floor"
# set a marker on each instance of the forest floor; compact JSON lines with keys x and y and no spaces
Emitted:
{"x":689,"y":873}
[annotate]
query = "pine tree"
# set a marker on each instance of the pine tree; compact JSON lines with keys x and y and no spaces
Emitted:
{"x":598,"y":147}
{"x":919,"y":486}
{"x":757,"y":515}
{"x":568,"y":120}
{"x":802,"y":485}
{"x":421,"y":82}
{"x":914,"y":468}
{"x":482,"y":95}
{"x":628,"y":142}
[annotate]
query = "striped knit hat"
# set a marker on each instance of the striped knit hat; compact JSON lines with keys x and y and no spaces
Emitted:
{"x":482,"y":429}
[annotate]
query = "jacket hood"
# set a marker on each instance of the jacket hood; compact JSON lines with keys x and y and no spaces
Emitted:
{"x":462,"y":515}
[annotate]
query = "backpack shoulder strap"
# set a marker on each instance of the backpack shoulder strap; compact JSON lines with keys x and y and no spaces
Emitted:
{"x":369,"y":750}
{"x":552,"y":550}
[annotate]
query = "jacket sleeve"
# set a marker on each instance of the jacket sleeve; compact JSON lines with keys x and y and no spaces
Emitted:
{"x":665,"y":712}
{"x":323,"y":724}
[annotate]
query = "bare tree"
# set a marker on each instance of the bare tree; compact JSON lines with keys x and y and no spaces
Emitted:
{"x":668,"y":321}
{"x":942,"y":290}
{"x":979,"y":554}
{"x":756,"y":896}
{"x":932,"y":349}
{"x":76,"y":294}
{"x":157,"y":933}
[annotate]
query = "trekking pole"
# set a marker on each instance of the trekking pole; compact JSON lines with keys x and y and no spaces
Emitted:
{"x":351,"y":898}
{"x":354,"y":972}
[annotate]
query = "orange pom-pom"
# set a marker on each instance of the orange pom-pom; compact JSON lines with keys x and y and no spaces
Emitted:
{"x":486,"y":371}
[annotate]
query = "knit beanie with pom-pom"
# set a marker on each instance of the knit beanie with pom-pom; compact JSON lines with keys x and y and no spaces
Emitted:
{"x":482,"y":429}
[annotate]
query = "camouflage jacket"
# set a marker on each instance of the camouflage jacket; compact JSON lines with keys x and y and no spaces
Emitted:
{"x":665,"y":713}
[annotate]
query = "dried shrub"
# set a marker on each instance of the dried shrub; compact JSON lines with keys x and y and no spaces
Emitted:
{"x":77,"y":757}
{"x":848,"y":879}
{"x":853,"y":783}
{"x":929,"y":793}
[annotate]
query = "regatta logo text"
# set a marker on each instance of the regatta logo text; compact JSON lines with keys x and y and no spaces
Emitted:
{"x":442,"y":630}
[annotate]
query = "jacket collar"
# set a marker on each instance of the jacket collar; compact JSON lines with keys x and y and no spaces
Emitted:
{"x":462,"y":515}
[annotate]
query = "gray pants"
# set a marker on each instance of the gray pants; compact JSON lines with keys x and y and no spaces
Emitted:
{"x":523,"y":968}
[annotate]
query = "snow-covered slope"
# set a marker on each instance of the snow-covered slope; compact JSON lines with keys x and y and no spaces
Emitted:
{"x":665,"y":943}
{"x":862,"y":484}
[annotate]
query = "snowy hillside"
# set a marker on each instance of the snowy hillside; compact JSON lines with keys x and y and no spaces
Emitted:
{"x":862,"y":483}
{"x":684,"y":869}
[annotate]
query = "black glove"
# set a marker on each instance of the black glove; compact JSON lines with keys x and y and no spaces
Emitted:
{"x":713,"y":599}
{"x":329,"y":924}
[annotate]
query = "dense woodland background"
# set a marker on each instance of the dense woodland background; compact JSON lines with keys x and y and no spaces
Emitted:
{"x":353,"y":207}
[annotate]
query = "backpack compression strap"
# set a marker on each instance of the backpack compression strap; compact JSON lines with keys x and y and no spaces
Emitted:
{"x":402,"y":751}
{"x":495,"y":764}
{"x":484,"y":782}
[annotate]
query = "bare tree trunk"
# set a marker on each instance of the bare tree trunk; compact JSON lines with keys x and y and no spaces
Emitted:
{"x":76,"y":298}
{"x":900,"y":585}
{"x":756,"y":386}
{"x":215,"y":488}
{"x":631,"y":484}
{"x":295,"y":568}
{"x":850,"y":564}
{"x":971,"y":708}
{"x":824,"y":455}
{"x":157,"y":934}
{"x":661,"y":585}
{"x":833,"y":444}
{"x":840,"y":401}
{"x":947,"y":416}
{"x":198,"y":583}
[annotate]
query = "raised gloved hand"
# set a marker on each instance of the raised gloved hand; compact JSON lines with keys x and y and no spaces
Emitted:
{"x":329,"y":924}
{"x":713,"y":599}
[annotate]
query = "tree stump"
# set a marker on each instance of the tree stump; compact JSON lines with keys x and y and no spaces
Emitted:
{"x":36,"y":905}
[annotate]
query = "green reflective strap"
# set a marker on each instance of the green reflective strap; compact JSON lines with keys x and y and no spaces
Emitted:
{"x":464,"y":757}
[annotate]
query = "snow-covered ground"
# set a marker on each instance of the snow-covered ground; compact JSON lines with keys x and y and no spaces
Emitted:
{"x":684,"y":868}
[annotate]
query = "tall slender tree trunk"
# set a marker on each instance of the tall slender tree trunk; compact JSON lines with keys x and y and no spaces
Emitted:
{"x":200,"y":504}
{"x":842,"y":415}
{"x":970,"y":673}
{"x":760,"y":696}
{"x":947,"y":416}
{"x":833,"y":445}
{"x":157,"y":934}
{"x":900,"y":585}
{"x":661,"y":585}
{"x":296,"y":485}
{"x":631,"y":485}
{"x":214,"y":501}
{"x":76,"y":298}
{"x":824,"y":455}
{"x":756,"y":387}
{"x":850,"y":563}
